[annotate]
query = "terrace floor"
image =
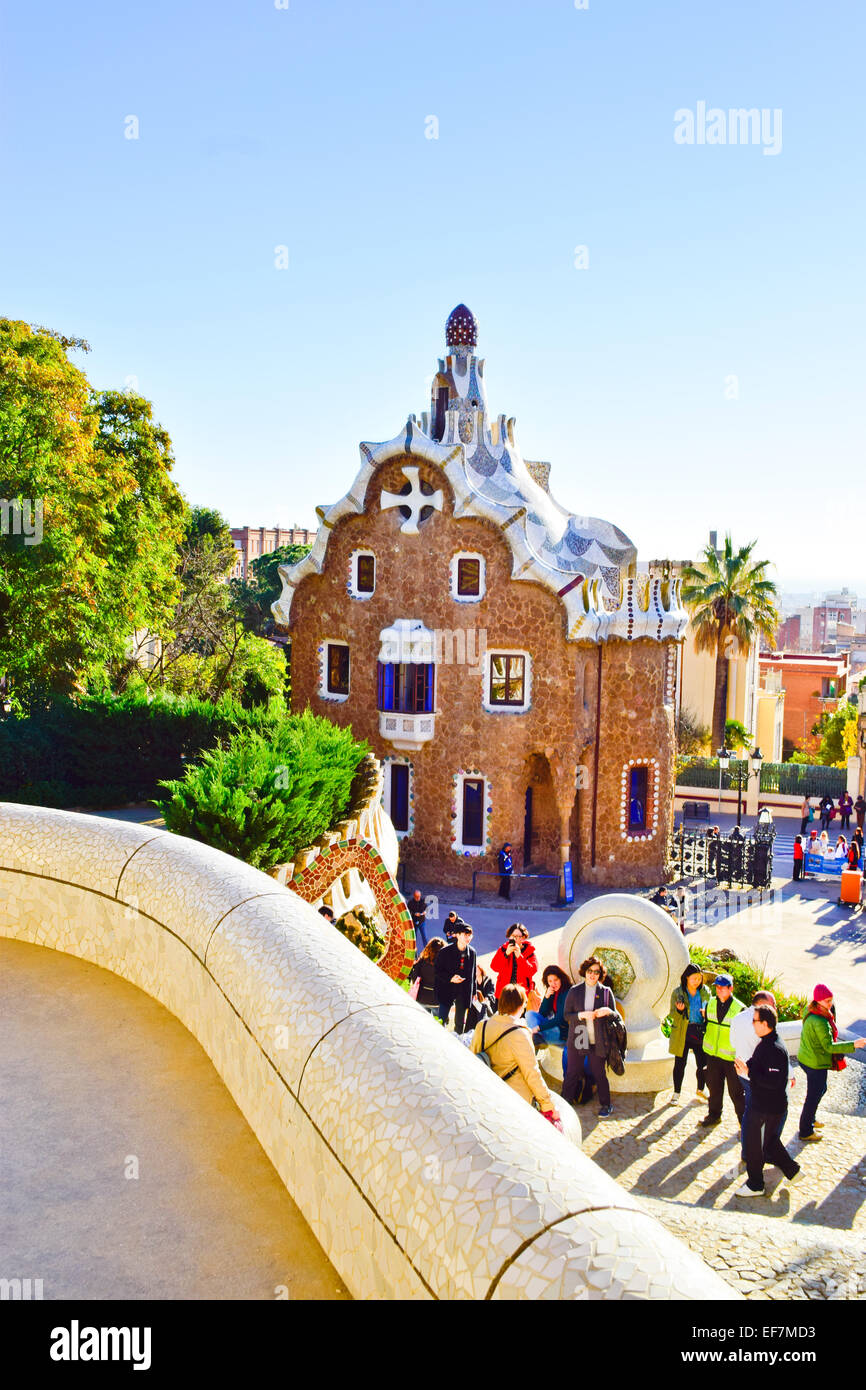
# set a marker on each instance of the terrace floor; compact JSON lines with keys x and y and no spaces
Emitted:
{"x":126,"y":1169}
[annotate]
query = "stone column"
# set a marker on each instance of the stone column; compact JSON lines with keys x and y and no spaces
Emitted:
{"x":753,"y":792}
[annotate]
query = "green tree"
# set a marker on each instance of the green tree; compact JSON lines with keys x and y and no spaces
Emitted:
{"x":93,"y":468}
{"x":254,"y":595}
{"x":731,"y":602}
{"x":838,"y":733}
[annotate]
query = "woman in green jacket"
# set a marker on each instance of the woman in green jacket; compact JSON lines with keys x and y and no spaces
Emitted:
{"x":689,"y":1014}
{"x":817,"y":1055}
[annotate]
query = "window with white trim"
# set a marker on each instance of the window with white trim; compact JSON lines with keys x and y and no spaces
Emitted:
{"x":470,"y":814}
{"x":507,"y":676}
{"x":398,"y":794}
{"x":362,"y":581}
{"x":468,"y":573}
{"x":334,"y":669}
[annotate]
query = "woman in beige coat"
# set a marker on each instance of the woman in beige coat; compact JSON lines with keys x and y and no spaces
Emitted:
{"x":512,"y":1057}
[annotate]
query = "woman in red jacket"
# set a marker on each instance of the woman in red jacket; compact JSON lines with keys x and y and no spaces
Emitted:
{"x":515,"y":962}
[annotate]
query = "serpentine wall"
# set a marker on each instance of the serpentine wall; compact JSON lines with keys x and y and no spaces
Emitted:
{"x":421,"y":1174}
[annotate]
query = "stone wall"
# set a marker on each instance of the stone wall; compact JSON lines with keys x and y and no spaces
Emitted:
{"x":419,"y":1172}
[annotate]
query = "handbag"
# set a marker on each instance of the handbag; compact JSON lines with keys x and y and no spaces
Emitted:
{"x":415,"y":987}
{"x":533,"y":1000}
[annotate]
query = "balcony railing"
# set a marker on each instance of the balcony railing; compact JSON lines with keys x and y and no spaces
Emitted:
{"x":406,"y":730}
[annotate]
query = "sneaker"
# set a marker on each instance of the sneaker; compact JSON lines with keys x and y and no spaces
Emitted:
{"x":676,"y":1098}
{"x":746,"y":1191}
{"x":810,"y":1138}
{"x":702,"y":1095}
{"x":818,"y":1124}
{"x":606,"y":1112}
{"x":709,"y":1121}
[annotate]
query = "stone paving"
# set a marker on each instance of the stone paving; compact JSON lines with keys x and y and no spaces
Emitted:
{"x":802,"y":1241}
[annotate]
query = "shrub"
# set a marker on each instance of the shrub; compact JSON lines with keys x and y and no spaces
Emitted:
{"x":748,"y":978}
{"x":263,"y":798}
{"x":363,"y":931}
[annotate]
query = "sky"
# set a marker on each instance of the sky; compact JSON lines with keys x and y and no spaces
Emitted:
{"x":260,"y":217}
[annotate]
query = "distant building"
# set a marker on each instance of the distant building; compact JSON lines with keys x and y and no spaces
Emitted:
{"x":826,"y":616}
{"x":251,"y":542}
{"x":814,"y":683}
{"x":788,"y":636}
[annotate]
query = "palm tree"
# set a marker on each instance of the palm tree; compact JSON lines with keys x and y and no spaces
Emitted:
{"x":731,"y":602}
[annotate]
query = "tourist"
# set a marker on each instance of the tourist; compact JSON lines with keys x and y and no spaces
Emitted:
{"x":828,"y":810}
{"x":417,"y":906}
{"x":721,"y":1012}
{"x":841,"y":850}
{"x":824,"y":845}
{"x":666,"y":901}
{"x":744,"y":1040}
{"x":805,"y":814}
{"x":820,"y":1052}
{"x":424,"y":971}
{"x":506,"y":1040}
{"x":767,"y":1074}
{"x":857,"y":838}
{"x":586,"y":1005}
{"x":483,"y":1003}
{"x":506,"y":869}
{"x":452,"y":923}
{"x":860,"y":811}
{"x":326,"y":912}
{"x":798,"y":857}
{"x":846,"y":806}
{"x":455,"y":977}
{"x":689,"y":1014}
{"x":853,"y":853}
{"x":548,"y":1022}
{"x":515,"y":962}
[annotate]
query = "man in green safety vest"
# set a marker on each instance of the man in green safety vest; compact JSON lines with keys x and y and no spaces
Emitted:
{"x":720,"y":1053}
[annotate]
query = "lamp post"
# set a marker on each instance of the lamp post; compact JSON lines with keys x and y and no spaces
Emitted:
{"x":724,"y":758}
{"x":756,"y":761}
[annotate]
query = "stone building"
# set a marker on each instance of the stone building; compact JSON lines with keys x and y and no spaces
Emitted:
{"x":252,"y":542}
{"x":500,"y":655}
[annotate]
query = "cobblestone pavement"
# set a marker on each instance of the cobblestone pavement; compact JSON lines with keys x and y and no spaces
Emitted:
{"x":802,"y":1241}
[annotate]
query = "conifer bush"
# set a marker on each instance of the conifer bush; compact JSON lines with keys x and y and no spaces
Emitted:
{"x":263,"y":797}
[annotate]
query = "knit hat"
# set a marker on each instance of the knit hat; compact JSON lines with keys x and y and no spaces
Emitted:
{"x":821,"y":992}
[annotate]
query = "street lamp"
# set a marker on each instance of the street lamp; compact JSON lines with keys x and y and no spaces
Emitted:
{"x":724,"y":758}
{"x":756,"y":762}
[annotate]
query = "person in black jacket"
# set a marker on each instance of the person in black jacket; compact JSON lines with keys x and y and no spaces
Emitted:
{"x":452,"y":922}
{"x":767,"y":1070}
{"x":424,"y":970}
{"x":586,"y":1006}
{"x":455,"y":977}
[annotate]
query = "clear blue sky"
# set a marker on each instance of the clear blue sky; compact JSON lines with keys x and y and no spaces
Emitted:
{"x":305,"y":127}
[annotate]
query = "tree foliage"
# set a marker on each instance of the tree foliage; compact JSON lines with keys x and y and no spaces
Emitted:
{"x":254,"y":595}
{"x":838,"y":734}
{"x":263,"y":799}
{"x":731,"y":602}
{"x":98,"y":468}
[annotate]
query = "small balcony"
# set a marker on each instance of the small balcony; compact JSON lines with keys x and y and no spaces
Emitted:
{"x":406,"y":731}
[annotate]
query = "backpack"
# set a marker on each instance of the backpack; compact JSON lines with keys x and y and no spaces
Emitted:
{"x":483,"y":1053}
{"x":617,"y":1044}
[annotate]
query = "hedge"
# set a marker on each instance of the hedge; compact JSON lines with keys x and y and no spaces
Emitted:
{"x":105,"y":750}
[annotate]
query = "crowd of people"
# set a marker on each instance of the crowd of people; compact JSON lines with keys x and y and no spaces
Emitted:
{"x":820,"y":846}
{"x":735,"y":1046}
{"x":825,"y":810}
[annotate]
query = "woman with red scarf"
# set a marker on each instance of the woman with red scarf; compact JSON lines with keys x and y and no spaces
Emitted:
{"x":515,"y":962}
{"x":819,"y":1052}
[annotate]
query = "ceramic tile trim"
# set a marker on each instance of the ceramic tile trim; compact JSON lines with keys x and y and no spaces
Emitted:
{"x":360,"y":1101}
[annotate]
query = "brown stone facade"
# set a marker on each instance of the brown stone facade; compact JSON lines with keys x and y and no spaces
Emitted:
{"x":551,"y":748}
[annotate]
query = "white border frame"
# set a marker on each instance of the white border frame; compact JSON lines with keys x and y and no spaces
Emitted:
{"x":653,"y":780}
{"x":469,"y":851}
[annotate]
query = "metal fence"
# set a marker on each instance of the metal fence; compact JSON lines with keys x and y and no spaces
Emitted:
{"x":788,"y":779}
{"x":744,"y":861}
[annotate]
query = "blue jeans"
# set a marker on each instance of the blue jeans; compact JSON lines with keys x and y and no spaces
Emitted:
{"x":816,"y":1085}
{"x":549,"y":1033}
{"x":419,"y":931}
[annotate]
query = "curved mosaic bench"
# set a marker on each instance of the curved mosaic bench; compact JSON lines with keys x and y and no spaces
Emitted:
{"x":360,"y":1100}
